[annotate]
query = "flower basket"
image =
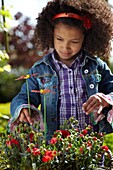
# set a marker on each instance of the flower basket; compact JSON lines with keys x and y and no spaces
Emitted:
{"x":70,"y":149}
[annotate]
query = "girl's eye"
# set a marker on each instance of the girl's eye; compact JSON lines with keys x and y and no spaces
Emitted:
{"x":75,"y":42}
{"x":59,"y":39}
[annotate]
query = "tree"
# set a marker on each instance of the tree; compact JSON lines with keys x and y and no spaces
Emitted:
{"x":21,"y":43}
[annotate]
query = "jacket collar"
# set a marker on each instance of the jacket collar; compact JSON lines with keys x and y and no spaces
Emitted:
{"x":86,"y":56}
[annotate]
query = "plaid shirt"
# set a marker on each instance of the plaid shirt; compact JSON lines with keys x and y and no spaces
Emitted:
{"x":72,"y":92}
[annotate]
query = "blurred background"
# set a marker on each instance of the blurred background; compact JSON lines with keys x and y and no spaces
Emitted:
{"x":17,"y":50}
{"x":16,"y":38}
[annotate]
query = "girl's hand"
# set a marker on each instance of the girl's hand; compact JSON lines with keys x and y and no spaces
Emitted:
{"x":25,"y":116}
{"x":94,"y":103}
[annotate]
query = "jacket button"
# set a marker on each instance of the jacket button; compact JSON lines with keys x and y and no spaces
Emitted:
{"x":86,"y":71}
{"x":91,"y":86}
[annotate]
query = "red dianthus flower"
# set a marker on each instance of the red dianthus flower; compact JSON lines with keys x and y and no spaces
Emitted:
{"x":35,"y":151}
{"x":53,"y":141}
{"x":65,"y":133}
{"x":105,"y":148}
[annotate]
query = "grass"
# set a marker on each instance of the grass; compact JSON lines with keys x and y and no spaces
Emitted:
{"x":4,"y":115}
{"x":5,"y":108}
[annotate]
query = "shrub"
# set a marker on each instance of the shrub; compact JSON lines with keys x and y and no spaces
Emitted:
{"x":69,"y":148}
{"x":8,"y":87}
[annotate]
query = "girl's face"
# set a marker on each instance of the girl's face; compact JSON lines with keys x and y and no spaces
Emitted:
{"x":67,"y":42}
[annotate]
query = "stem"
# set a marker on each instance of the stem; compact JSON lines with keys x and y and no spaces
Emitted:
{"x":28,"y":96}
{"x":5,"y":33}
{"x":45,"y":127}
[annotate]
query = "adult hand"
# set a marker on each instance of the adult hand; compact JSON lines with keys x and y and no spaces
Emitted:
{"x":25,"y":116}
{"x":94,"y":103}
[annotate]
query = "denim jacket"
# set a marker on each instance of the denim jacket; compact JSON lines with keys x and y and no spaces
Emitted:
{"x":97,"y":77}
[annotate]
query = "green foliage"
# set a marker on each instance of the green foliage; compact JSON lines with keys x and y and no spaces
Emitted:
{"x":6,"y":14}
{"x":3,"y":62}
{"x":108,"y":140}
{"x":4,"y":115}
{"x":27,"y":148}
{"x":8,"y":86}
{"x":5,"y":108}
{"x":4,"y":26}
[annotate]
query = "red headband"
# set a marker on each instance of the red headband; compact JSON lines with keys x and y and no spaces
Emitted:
{"x":87,"y":22}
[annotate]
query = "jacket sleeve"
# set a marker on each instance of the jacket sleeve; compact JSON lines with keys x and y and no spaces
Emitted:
{"x":106,"y":92}
{"x":21,"y":100}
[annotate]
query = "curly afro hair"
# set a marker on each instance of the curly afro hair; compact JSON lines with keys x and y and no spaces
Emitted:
{"x":98,"y":38}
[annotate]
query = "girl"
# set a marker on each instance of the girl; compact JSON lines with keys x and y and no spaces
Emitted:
{"x":79,"y":83}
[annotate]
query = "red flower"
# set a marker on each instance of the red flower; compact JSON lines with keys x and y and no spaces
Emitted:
{"x":70,"y":145}
{"x":46,"y":158}
{"x":81,"y":135}
{"x":9,"y":136}
{"x":65,"y":133}
{"x":12,"y":142}
{"x":28,"y":150}
{"x":94,"y":138}
{"x":105,"y":148}
{"x":8,"y":143}
{"x":49,"y":153}
{"x":54,"y":153}
{"x":15,"y":142}
{"x":99,"y":155}
{"x":101,"y":134}
{"x":81,"y":150}
{"x":53,"y":141}
{"x":57,"y":132}
{"x":84,"y":131}
{"x":89,"y":143}
{"x":35,"y":151}
{"x":31,"y":137}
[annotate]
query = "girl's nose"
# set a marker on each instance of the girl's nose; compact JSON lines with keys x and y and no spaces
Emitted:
{"x":66,"y":46}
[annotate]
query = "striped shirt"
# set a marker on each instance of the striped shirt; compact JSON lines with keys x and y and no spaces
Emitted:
{"x":72,"y":92}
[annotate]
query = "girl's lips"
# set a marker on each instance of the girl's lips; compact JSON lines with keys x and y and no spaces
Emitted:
{"x":65,"y":53}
